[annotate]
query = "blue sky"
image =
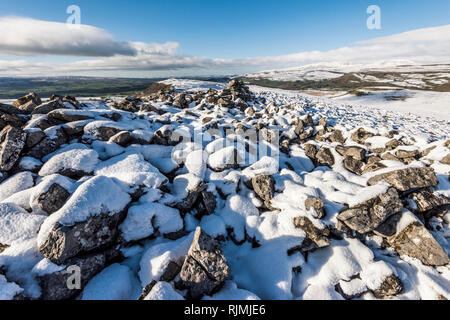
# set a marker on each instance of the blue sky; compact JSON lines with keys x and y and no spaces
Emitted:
{"x":236,"y":29}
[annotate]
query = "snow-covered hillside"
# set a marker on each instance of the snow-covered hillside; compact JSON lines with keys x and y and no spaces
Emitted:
{"x":213,"y":191}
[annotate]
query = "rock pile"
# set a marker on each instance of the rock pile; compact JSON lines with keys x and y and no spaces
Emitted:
{"x":127,"y":182}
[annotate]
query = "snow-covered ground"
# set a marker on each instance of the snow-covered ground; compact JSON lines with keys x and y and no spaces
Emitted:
{"x":305,"y":216}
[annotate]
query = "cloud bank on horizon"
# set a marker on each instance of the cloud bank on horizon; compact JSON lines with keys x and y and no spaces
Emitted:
{"x":22,"y":38}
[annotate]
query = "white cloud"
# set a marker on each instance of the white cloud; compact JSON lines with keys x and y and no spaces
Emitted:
{"x":25,"y":36}
{"x":430,"y":45}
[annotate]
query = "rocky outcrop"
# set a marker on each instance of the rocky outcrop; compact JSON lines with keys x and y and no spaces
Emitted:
{"x":205,"y":267}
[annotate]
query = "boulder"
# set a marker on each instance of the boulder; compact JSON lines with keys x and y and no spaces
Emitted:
{"x":205,"y":268}
{"x":54,"y":286}
{"x":361,"y":135}
{"x":325,"y":157}
{"x":356,"y":153}
{"x":49,"y":144}
{"x":12,"y":141}
{"x":353,"y":165}
{"x":390,"y":286}
{"x":52,"y":199}
{"x":317,"y":205}
{"x":31,"y":97}
{"x":336,"y":136}
{"x":48,"y":107}
{"x":264,"y":186}
{"x":425,"y":200}
{"x":370,"y":214}
{"x":407,"y":179}
{"x":415,"y":241}
{"x":88,"y":221}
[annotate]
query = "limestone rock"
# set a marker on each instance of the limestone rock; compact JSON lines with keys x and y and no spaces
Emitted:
{"x":370,"y":214}
{"x":415,"y":241}
{"x":325,"y":157}
{"x":205,"y":268}
{"x":318,"y":236}
{"x":317,"y":205}
{"x":357,"y":153}
{"x":53,"y":199}
{"x":361,"y":135}
{"x":12,"y":141}
{"x":407,"y":179}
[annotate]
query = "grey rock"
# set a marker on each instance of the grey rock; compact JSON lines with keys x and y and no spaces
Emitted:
{"x":391,"y":286}
{"x":65,"y":242}
{"x":361,"y":135}
{"x":325,"y":157}
{"x":336,"y":136}
{"x":54,"y":286}
{"x":264,"y":186}
{"x":370,"y":214}
{"x":53,"y":199}
{"x":123,"y":138}
{"x":48,"y":144}
{"x":353,"y":165}
{"x":48,"y":107}
{"x":357,"y":153}
{"x":68,"y":115}
{"x":427,"y":200}
{"x":318,"y":236}
{"x":12,"y":141}
{"x":310,"y":150}
{"x":316,"y":204}
{"x":205,"y":268}
{"x":33,"y":97}
{"x":415,"y":241}
{"x":407,"y":179}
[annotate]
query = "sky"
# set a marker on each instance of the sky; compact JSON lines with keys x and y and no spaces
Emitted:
{"x":156,"y":38}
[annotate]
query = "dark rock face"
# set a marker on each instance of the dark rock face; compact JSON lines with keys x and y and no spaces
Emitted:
{"x":205,"y":267}
{"x":55,"y":285}
{"x":12,"y":141}
{"x":53,"y":199}
{"x":318,"y":236}
{"x":370,"y":214}
{"x":65,"y":242}
{"x":415,"y":241}
{"x":325,"y":157}
{"x":391,"y":286}
{"x":407,"y":179}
